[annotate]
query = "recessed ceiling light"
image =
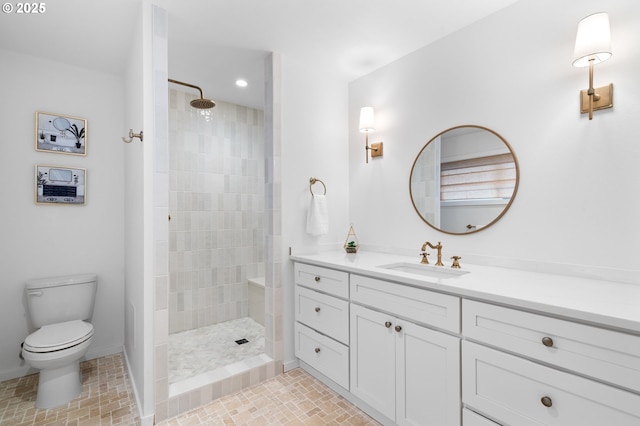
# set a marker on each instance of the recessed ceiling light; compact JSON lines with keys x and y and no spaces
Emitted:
{"x":241,"y":83}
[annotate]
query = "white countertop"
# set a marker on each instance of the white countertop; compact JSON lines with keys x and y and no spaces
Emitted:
{"x":606,"y":303}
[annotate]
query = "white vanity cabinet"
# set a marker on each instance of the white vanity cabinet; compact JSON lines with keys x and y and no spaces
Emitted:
{"x":493,"y":347}
{"x":322,"y":320}
{"x":521,"y":368}
{"x":406,"y":371}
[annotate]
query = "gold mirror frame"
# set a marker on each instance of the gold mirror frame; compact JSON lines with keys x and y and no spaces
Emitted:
{"x":506,"y":207}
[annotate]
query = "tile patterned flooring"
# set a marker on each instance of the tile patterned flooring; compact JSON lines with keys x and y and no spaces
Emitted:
{"x":106,"y":398}
{"x":290,"y":399}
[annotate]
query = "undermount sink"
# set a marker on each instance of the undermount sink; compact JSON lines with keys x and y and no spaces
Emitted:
{"x":432,"y":271}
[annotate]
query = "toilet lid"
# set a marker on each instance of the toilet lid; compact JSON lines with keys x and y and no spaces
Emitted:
{"x":58,"y":336}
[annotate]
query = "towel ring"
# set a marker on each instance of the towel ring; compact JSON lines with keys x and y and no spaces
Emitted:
{"x":314,"y":180}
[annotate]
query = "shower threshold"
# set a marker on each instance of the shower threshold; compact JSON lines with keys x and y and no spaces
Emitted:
{"x":219,"y":374}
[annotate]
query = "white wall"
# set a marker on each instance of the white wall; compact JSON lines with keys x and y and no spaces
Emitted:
{"x":578,"y":199}
{"x":138,"y":69}
{"x":48,"y":240}
{"x":314,"y":143}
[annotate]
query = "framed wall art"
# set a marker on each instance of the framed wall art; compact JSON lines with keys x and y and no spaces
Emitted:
{"x":61,"y":134}
{"x":60,"y":185}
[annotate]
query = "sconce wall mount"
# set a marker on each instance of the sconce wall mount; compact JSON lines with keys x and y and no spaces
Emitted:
{"x":376,"y":149}
{"x":602,"y":98}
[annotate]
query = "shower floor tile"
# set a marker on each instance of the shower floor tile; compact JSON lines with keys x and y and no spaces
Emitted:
{"x":205,"y":349}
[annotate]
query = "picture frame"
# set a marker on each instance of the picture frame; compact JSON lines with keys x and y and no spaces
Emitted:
{"x":62,"y":134}
{"x":60,"y":185}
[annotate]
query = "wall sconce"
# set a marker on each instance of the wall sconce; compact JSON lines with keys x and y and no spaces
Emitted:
{"x":593,"y":45}
{"x":367,"y":124}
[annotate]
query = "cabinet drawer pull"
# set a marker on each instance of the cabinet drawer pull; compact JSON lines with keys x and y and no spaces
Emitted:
{"x":398,"y":328}
{"x":546,"y":401}
{"x":318,"y":350}
{"x":547,"y":341}
{"x":317,"y":309}
{"x":387,"y":324}
{"x":317,"y":278}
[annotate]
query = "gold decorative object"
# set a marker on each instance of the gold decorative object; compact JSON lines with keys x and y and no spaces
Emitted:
{"x":351,"y":243}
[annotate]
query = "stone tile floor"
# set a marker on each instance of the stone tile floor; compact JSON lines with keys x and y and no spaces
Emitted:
{"x":293,"y":398}
{"x":106,"y":398}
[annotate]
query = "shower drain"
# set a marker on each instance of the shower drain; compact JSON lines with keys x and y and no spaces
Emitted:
{"x":242,"y":341}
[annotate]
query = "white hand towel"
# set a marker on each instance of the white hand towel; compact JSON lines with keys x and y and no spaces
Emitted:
{"x":318,"y":216}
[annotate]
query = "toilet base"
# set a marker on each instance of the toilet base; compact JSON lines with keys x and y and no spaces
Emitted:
{"x":58,"y":386}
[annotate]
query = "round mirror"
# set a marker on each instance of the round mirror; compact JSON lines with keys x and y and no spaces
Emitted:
{"x":464,"y":179}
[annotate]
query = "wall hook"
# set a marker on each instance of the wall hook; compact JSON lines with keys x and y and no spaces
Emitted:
{"x":133,"y":135}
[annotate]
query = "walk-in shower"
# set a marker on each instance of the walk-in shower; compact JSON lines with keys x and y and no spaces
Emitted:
{"x":216,"y":238}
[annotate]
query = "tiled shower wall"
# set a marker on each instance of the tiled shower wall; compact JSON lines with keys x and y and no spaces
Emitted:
{"x":216,"y":206}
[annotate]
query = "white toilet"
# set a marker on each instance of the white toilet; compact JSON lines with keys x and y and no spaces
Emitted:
{"x":59,"y":308}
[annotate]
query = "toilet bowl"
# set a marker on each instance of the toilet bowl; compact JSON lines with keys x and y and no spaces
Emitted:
{"x":56,"y":351}
{"x":59,"y":308}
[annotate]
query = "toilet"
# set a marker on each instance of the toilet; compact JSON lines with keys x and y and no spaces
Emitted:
{"x":59,"y":309}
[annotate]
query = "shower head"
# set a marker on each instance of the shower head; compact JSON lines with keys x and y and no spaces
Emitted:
{"x":201,"y":103}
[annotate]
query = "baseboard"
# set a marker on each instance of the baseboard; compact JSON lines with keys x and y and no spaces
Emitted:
{"x":25,"y":369}
{"x":100,"y":352}
{"x":144,"y":421}
{"x":16,"y":372}
{"x":290,"y":365}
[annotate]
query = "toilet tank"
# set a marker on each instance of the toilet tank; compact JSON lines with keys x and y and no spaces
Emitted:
{"x":59,"y":299}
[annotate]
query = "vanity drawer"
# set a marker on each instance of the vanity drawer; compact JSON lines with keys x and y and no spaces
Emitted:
{"x":606,"y":355}
{"x":519,"y":392}
{"x":419,"y":305}
{"x":322,"y":353}
{"x":322,"y":279}
{"x":323,"y":313}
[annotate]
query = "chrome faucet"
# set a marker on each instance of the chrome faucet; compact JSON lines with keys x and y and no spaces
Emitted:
{"x":425,"y":254}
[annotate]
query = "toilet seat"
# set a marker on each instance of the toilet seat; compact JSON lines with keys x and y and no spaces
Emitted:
{"x":57,"y":337}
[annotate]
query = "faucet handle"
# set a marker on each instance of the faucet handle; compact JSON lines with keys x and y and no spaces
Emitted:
{"x":456,"y":264}
{"x":424,"y":260}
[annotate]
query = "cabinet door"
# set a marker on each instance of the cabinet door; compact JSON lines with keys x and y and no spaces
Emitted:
{"x":427,"y":376}
{"x":373,"y":359}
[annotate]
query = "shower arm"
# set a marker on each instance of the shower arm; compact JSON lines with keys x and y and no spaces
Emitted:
{"x":188,"y":85}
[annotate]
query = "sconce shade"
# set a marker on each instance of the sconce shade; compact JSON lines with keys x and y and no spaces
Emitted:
{"x":367,"y":121}
{"x":593,"y":40}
